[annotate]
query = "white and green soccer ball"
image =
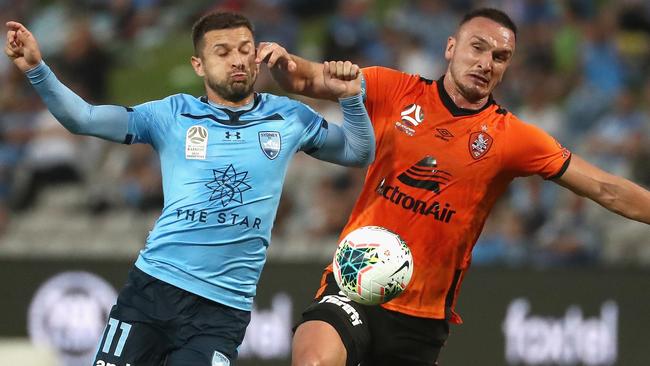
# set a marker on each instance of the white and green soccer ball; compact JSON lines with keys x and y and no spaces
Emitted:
{"x":372,"y":265}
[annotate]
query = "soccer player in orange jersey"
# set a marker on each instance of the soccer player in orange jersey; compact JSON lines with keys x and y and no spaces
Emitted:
{"x":445,"y":152}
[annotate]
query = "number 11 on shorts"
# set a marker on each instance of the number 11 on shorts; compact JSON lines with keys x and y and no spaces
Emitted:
{"x":125,"y":328}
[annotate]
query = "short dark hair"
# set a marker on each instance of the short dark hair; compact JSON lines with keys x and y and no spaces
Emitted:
{"x":492,"y":14}
{"x":217,"y":20}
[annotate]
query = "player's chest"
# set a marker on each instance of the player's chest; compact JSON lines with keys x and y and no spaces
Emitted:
{"x":209,"y":142}
{"x":419,"y":138}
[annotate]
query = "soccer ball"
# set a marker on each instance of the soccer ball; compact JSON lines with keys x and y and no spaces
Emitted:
{"x":372,"y":265}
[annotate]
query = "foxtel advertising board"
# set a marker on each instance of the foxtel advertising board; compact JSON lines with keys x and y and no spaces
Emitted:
{"x":512,"y":317}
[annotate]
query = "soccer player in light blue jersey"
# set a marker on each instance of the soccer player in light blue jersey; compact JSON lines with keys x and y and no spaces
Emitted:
{"x":224,"y":157}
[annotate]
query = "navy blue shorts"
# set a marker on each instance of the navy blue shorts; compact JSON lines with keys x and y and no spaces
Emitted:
{"x":155,"y":323}
{"x":374,"y":336}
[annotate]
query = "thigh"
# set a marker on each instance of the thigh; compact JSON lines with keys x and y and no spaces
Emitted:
{"x":209,"y":334}
{"x":200,"y":355}
{"x":138,"y":330}
{"x":344,"y":317}
{"x":400,"y":339}
{"x":131,"y":342}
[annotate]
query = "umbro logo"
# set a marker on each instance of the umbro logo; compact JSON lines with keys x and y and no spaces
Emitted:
{"x":443,"y":134}
{"x":425,"y":175}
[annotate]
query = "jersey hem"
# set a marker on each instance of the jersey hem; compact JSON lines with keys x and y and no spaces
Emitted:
{"x":174,"y":279}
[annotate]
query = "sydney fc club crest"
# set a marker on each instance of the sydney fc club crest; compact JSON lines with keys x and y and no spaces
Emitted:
{"x":270,"y":142}
{"x":479,"y":144}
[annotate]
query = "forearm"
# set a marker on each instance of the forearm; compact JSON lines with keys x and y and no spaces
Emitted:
{"x":306,"y":79}
{"x":76,"y":115}
{"x":353,"y":143}
{"x":626,"y":198}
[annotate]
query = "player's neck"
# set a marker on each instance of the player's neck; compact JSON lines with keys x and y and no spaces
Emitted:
{"x":215,"y":98}
{"x":457,"y":96}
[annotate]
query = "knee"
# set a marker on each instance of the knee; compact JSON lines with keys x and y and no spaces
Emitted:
{"x":313,"y":358}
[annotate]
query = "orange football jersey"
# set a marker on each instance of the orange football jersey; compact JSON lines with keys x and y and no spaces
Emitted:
{"x":438,"y":171}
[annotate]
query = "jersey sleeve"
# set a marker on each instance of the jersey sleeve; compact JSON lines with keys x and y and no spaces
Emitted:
{"x":383,"y":86}
{"x":147,"y":122}
{"x":314,"y":128}
{"x":530,"y":150}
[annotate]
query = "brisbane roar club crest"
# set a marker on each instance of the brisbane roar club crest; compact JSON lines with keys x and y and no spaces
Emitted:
{"x":271,"y":143}
{"x":196,"y":143}
{"x":411,"y":117}
{"x":479,"y":144}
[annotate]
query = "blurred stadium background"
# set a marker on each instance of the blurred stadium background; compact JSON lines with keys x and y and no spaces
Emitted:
{"x":555,"y":278}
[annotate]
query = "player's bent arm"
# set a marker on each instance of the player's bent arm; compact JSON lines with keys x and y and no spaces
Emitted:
{"x":307,"y":79}
{"x":109,"y":122}
{"x":616,"y":194}
{"x":353,"y":143}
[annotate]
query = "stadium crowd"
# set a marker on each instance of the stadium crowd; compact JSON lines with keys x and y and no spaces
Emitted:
{"x":581,"y":72}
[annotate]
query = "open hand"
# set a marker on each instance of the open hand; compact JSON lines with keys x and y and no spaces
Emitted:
{"x":275,"y":55}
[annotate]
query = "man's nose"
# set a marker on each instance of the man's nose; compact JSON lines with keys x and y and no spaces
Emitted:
{"x":485,"y":63}
{"x":237,"y":59}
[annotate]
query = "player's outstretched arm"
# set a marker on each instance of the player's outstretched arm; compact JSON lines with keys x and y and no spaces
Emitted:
{"x":352,"y":144}
{"x":75,"y":114}
{"x":616,"y":194}
{"x":294,"y":74}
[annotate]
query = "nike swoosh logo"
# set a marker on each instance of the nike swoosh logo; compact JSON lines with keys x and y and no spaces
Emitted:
{"x":404,"y":265}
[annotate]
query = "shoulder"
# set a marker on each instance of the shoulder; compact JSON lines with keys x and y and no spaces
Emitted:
{"x":173,"y":101}
{"x":269,"y":98}
{"x":382,"y":83}
{"x":382,"y":71}
{"x":515,"y":124}
{"x":284,"y":104}
{"x":181,"y":99}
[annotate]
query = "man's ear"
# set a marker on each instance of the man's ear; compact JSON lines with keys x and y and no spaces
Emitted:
{"x":197,"y":65}
{"x":451,"y":48}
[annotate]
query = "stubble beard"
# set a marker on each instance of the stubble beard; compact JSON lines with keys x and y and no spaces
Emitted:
{"x":233,"y":91}
{"x":470,"y":92}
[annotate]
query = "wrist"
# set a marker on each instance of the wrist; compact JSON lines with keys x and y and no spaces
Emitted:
{"x":33,"y":67}
{"x":38,"y":73}
{"x":351,"y":100}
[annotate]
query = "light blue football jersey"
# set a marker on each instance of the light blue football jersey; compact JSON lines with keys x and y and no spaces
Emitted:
{"x":222,"y":173}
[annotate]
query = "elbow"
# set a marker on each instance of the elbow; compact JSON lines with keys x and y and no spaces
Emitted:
{"x":72,"y":126}
{"x":365,"y":160}
{"x":368,"y":159}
